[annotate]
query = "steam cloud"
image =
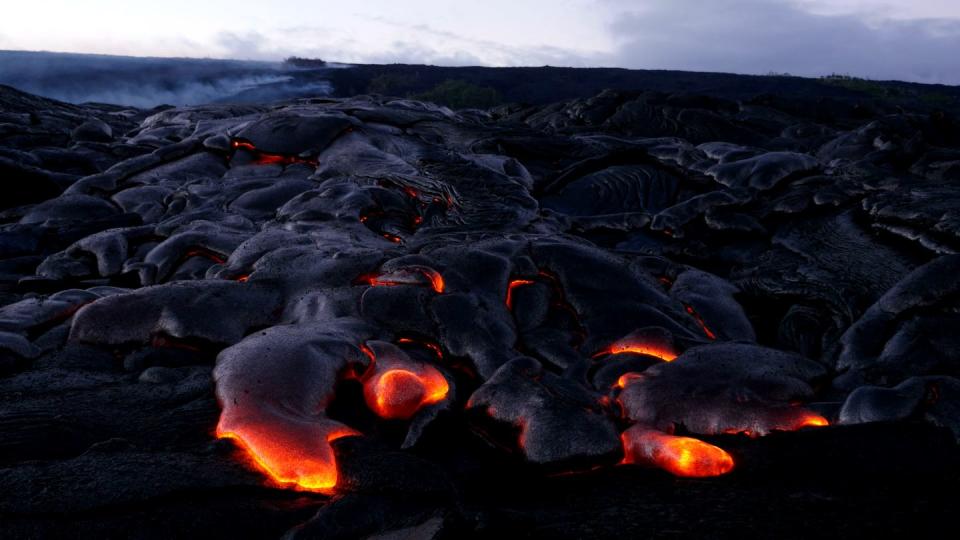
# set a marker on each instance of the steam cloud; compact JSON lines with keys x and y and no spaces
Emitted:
{"x":148,"y":82}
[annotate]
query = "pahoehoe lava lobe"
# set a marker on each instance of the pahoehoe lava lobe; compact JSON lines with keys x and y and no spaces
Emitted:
{"x":410,"y":308}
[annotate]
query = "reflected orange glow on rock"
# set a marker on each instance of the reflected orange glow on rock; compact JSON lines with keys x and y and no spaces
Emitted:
{"x":436,"y":280}
{"x":703,"y":326}
{"x":789,"y":419}
{"x":434,"y":348}
{"x":680,"y":456}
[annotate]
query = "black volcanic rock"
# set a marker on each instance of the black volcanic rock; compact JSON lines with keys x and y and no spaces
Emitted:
{"x":452,"y":319}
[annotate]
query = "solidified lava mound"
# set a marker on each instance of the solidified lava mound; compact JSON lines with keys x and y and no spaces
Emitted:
{"x":630,"y":315}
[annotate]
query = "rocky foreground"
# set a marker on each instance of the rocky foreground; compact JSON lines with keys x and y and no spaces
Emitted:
{"x":376,"y":318}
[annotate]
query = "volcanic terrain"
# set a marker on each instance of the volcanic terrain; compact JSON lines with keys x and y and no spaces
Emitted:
{"x":636,"y":314}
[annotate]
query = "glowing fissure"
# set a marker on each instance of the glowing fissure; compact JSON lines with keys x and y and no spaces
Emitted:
{"x":269,"y":158}
{"x":206,"y":254}
{"x":626,"y":346}
{"x":703,"y":326}
{"x":437,"y":351}
{"x":398,"y":394}
{"x":513,"y":285}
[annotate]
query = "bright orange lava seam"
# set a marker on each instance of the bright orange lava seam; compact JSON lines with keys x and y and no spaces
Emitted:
{"x":513,"y":285}
{"x":662,"y":353}
{"x":706,"y":330}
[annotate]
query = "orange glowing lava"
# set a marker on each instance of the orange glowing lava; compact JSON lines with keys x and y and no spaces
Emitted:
{"x":307,"y":465}
{"x":513,"y":285}
{"x":398,"y":278}
{"x":706,"y":330}
{"x":790,"y":419}
{"x":397,"y":394}
{"x":392,"y":237}
{"x":436,"y":280}
{"x":437,"y":351}
{"x":811,"y":420}
{"x":620,"y":347}
{"x":269,"y":158}
{"x":367,"y":351}
{"x":680,"y":456}
{"x":625,"y":379}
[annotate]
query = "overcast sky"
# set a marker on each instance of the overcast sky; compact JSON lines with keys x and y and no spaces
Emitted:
{"x":916,"y":40}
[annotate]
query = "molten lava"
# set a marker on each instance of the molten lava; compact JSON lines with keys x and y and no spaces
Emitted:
{"x":434,"y":348}
{"x":680,"y":456}
{"x":268,"y":158}
{"x":289,"y":462}
{"x":789,"y":419}
{"x":393,"y":238}
{"x":513,"y":285}
{"x":411,"y":275}
{"x":650,"y":349}
{"x":625,"y":379}
{"x":706,"y":330}
{"x":397,"y":394}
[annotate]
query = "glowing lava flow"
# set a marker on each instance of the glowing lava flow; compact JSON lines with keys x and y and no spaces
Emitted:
{"x":436,"y":280}
{"x":406,"y":276}
{"x":703,"y":326}
{"x":396,"y":387}
{"x":300,"y":458}
{"x":513,"y":285}
{"x":437,"y":351}
{"x":398,"y":393}
{"x":628,"y":346}
{"x":789,"y":419}
{"x":680,"y":456}
{"x":268,"y":158}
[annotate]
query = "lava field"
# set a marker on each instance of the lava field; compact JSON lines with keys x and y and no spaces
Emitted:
{"x":635,"y":315}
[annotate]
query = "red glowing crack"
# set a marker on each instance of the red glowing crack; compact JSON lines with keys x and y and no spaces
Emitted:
{"x":662,"y":352}
{"x":269,"y":158}
{"x":512,"y":286}
{"x":295,"y":456}
{"x":410,"y":275}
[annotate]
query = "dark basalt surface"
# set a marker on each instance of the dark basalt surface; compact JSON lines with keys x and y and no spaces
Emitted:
{"x":165,"y":271}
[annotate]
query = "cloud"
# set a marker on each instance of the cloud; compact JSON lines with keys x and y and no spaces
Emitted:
{"x":461,"y":50}
{"x":759,"y":36}
{"x":246,"y":45}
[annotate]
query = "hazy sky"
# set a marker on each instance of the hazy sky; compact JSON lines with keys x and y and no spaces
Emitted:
{"x":903,"y":39}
